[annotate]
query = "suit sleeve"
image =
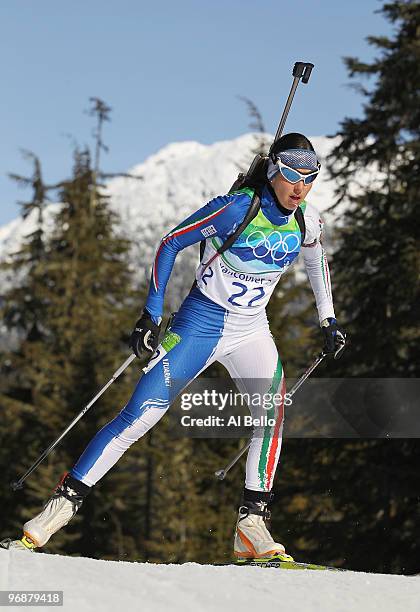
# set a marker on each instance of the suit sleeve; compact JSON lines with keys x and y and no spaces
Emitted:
{"x":316,"y":264}
{"x":217,"y":218}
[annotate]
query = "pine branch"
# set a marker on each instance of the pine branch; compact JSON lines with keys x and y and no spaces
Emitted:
{"x":256,"y":123}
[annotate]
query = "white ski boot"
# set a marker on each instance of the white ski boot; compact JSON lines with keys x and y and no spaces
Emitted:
{"x":252,"y":538}
{"x":57,"y":512}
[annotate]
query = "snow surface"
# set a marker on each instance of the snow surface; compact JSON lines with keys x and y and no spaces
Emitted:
{"x":89,"y":584}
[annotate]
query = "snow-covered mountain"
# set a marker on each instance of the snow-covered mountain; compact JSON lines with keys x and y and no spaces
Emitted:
{"x":177,"y":180}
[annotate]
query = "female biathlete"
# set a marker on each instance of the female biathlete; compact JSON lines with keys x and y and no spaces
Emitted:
{"x":223,"y":319}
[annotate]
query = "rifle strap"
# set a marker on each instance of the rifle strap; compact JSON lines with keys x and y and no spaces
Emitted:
{"x":251,"y":214}
{"x":301,"y":222}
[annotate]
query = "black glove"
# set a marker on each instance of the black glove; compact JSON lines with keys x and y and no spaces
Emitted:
{"x":145,"y":336}
{"x":334,"y":338}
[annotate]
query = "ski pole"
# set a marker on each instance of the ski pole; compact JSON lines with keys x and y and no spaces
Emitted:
{"x":220,"y":474}
{"x":301,"y":70}
{"x":18,"y":484}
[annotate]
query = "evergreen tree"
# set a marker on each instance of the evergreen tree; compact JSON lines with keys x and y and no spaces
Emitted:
{"x":90,"y":312}
{"x":23,"y":309}
{"x":377,"y":262}
{"x":71,"y":312}
{"x":29,"y":262}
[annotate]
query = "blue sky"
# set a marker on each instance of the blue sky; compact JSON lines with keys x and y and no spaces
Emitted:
{"x":171,"y":71}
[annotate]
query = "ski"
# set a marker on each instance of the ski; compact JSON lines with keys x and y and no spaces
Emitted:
{"x":290,"y":565}
{"x":282,"y":562}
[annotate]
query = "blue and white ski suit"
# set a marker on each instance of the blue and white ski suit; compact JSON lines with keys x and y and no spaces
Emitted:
{"x":222,"y":319}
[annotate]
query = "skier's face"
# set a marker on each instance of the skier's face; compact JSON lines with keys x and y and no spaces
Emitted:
{"x":290,"y":195}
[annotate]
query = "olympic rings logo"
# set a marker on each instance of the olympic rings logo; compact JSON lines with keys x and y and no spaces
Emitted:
{"x":276,"y":244}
